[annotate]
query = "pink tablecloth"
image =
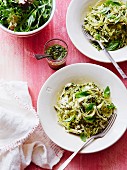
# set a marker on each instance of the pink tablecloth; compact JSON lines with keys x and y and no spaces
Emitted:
{"x":17,"y":63}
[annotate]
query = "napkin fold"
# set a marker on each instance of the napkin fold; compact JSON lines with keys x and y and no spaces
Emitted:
{"x":22,"y":138}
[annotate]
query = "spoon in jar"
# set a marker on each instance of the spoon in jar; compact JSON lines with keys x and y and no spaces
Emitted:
{"x":41,"y":56}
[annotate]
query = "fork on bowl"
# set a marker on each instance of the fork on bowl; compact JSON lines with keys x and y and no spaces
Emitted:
{"x":99,"y":135}
{"x":91,"y":38}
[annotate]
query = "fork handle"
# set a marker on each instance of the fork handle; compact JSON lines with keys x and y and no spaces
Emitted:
{"x":63,"y":166}
{"x":113,"y":61}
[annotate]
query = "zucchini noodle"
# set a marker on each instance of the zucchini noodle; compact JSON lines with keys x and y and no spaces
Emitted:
{"x":107,"y":22}
{"x":84,"y":109}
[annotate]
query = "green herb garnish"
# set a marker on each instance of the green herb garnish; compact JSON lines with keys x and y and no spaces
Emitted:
{"x":83,"y":137}
{"x":82,"y":94}
{"x":107,"y":92}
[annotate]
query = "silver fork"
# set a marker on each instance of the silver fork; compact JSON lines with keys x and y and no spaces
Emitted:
{"x":89,"y":37}
{"x":100,"y":135}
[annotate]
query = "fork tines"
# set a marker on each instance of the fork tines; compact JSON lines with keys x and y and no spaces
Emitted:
{"x":110,"y":123}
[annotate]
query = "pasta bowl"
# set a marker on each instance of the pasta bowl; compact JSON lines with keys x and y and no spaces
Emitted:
{"x":81,"y":73}
{"x":76,"y":13}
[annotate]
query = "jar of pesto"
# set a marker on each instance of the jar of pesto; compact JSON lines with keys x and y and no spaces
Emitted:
{"x":58,"y":50}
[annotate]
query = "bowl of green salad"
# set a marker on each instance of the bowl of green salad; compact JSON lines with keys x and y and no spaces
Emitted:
{"x":105,"y":20}
{"x":25,"y":17}
{"x":77,"y":101}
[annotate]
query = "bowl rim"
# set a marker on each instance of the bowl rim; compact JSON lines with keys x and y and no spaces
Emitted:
{"x":30,"y":33}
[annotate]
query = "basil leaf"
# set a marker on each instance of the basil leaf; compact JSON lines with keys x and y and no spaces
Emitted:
{"x":107,"y":92}
{"x":97,"y":36}
{"x":105,"y":10}
{"x":113,"y":45}
{"x":83,"y":137}
{"x":89,"y":107}
{"x":70,"y":119}
{"x":112,"y":2}
{"x":82,"y":94}
{"x":111,"y":16}
{"x":111,"y":106}
{"x":89,"y":119}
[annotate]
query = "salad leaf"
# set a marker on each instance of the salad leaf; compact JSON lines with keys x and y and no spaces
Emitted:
{"x":32,"y":18}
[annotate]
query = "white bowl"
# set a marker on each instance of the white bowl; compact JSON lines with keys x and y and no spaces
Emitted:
{"x":79,"y":73}
{"x":74,"y":19}
{"x":31,"y":33}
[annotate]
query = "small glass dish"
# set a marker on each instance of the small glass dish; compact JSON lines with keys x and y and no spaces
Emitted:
{"x":58,"y":49}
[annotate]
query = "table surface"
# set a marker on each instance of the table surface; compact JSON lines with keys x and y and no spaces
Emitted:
{"x":17,"y":63}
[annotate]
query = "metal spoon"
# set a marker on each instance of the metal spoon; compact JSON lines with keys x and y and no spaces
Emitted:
{"x":41,"y":56}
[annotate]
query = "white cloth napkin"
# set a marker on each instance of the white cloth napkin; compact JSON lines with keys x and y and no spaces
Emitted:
{"x":22,"y":138}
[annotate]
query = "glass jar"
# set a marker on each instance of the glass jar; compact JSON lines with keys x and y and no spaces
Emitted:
{"x":58,"y":49}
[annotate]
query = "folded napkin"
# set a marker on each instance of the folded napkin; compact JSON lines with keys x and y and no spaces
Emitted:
{"x":22,"y":138}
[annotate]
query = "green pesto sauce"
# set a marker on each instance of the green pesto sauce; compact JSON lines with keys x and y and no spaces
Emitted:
{"x":57,"y":52}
